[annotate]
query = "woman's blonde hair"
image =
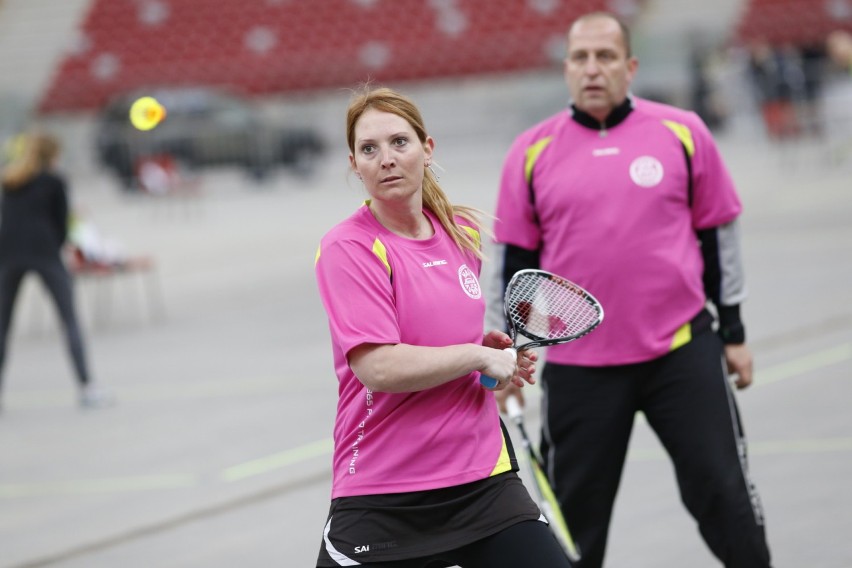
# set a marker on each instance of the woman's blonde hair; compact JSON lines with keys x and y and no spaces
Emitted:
{"x":434,"y":198}
{"x":35,"y":153}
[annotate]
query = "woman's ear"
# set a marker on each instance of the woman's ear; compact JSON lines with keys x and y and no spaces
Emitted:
{"x":353,"y":166}
{"x":428,"y":149}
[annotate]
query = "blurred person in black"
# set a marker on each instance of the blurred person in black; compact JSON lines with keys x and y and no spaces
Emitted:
{"x":779,"y":81}
{"x":33,"y":229}
{"x":837,"y":99}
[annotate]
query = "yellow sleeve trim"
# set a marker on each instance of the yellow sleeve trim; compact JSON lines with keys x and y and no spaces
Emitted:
{"x":684,"y":134}
{"x":380,"y":251}
{"x":316,"y":258}
{"x":504,"y":464}
{"x":474,"y":234}
{"x":533,"y":153}
{"x":682,"y":336}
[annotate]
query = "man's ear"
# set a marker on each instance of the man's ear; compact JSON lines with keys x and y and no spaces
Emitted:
{"x":632,"y":66}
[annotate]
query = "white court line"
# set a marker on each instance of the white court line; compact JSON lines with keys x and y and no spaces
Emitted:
{"x":55,"y":398}
{"x":778,"y":447}
{"x":92,"y":486}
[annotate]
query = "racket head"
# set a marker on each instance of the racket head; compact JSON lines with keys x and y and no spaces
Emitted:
{"x":549,"y":309}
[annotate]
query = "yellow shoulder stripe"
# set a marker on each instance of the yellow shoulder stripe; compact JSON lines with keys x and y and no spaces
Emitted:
{"x":380,"y":251}
{"x":683,"y":134}
{"x":533,"y":153}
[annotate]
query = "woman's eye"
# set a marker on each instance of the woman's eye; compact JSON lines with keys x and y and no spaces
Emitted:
{"x":401,"y":141}
{"x":368,"y":148}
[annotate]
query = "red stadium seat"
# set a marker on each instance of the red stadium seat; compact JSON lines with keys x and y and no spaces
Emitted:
{"x":274,"y":46}
{"x":795,"y":22}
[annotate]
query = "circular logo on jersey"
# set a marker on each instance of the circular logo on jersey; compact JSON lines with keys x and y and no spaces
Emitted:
{"x":469,"y":283}
{"x":646,"y":171}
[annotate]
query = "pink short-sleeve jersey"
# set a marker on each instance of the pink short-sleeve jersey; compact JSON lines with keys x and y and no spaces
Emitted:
{"x":380,"y":288}
{"x":617,"y":212}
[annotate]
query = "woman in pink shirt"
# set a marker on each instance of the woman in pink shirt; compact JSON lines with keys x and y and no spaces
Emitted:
{"x":424,"y":473}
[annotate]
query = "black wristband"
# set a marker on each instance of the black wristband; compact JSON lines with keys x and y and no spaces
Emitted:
{"x":731,"y":328}
{"x":732,"y":334}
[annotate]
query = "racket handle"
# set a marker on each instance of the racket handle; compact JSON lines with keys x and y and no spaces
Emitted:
{"x":491,"y":382}
{"x":488,"y":382}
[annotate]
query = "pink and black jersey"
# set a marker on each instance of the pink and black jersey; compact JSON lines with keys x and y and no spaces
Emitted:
{"x":617,"y":208}
{"x":380,"y":288}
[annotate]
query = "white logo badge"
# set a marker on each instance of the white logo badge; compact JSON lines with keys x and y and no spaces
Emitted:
{"x":646,"y":171}
{"x":469,"y":283}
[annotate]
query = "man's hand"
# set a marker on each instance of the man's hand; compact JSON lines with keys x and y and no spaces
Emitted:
{"x":511,"y":390}
{"x":740,"y":363}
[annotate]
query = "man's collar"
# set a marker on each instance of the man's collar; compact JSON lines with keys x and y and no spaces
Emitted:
{"x":615,"y":117}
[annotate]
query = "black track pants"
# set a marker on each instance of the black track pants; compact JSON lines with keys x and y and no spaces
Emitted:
{"x":685,"y":395}
{"x":58,"y":282}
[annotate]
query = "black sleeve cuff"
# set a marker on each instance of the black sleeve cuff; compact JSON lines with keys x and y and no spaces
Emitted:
{"x":731,"y":328}
{"x":517,"y":258}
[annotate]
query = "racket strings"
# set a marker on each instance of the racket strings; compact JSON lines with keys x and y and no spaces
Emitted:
{"x":550,"y":308}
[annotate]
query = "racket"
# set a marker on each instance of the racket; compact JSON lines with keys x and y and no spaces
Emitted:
{"x":548,"y":309}
{"x":547,"y":499}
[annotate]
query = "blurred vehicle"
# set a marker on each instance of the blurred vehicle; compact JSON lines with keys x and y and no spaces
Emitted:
{"x":203,"y":127}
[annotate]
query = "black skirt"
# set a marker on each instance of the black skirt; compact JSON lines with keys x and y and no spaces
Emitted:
{"x":400,"y":526}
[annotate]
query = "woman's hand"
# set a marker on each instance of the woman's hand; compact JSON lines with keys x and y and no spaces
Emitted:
{"x":501,"y":365}
{"x":524,"y":361}
{"x":496,"y":339}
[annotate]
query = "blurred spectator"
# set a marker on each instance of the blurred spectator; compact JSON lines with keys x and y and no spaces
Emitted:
{"x":157,"y":174}
{"x":90,"y":248}
{"x":839,"y":48}
{"x":33,"y":229}
{"x":706,"y":96}
{"x":837,"y":102}
{"x":779,"y":81}
{"x":813,"y":65}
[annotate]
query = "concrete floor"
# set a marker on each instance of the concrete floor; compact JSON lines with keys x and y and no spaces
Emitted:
{"x":218,"y":451}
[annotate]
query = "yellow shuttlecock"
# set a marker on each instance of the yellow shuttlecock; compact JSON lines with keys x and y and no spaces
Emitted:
{"x":146,"y":113}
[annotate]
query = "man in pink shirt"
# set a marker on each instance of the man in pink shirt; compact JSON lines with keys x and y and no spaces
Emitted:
{"x":631,"y":200}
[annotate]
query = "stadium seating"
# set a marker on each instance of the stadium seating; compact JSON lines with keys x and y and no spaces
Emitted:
{"x":268,"y":46}
{"x":795,"y":22}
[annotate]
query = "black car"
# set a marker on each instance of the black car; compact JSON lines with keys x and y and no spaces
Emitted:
{"x":203,"y":127}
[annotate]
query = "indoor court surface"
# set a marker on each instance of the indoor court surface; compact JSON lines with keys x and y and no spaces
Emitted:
{"x":217,"y":453}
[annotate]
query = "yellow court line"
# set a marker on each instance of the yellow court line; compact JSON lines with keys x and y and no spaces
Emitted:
{"x":795,"y":367}
{"x":277,"y":461}
{"x":804,"y":364}
{"x":782,"y":371}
